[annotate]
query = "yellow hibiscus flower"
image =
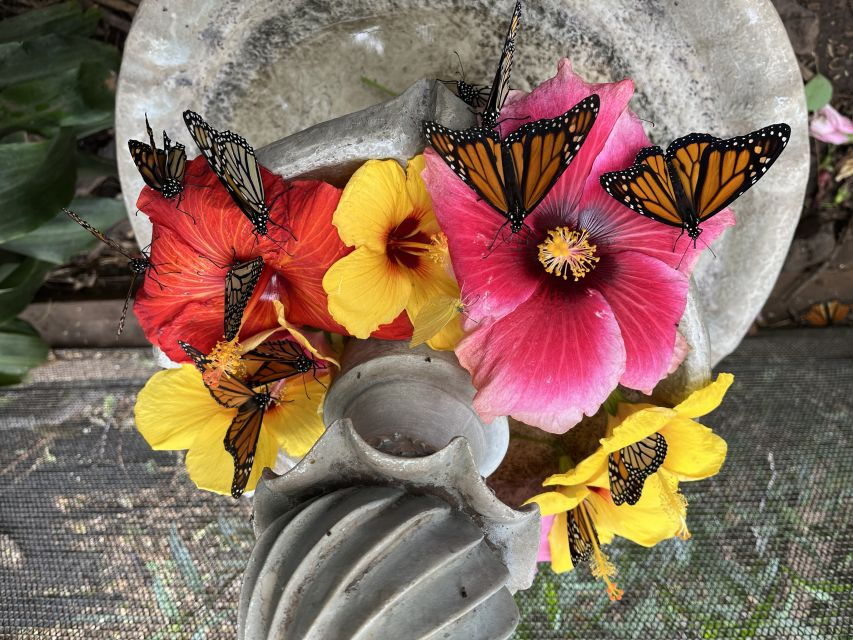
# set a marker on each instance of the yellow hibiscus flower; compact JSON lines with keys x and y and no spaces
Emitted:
{"x":400,"y":257}
{"x":175,"y":410}
{"x":586,"y":515}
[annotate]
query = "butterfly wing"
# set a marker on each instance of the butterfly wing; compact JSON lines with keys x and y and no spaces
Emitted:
{"x":433,"y":317}
{"x":205,"y":138}
{"x":176,"y":159}
{"x":629,"y":467}
{"x":645,"y":187}
{"x":684,"y":155}
{"x":199,"y":359}
{"x":241,"y":440}
{"x":728,"y":168}
{"x":582,"y":535}
{"x":241,"y":175}
{"x":541,"y":151}
{"x":230,"y":392}
{"x":240,"y":282}
{"x":500,"y":85}
{"x":278,"y":360}
{"x":475,"y":156}
{"x":146,"y":161}
{"x":112,"y":244}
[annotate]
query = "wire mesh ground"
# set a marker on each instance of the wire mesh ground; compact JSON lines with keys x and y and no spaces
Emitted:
{"x":100,"y":537}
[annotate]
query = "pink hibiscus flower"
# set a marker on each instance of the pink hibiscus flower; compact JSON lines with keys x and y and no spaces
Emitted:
{"x":547,"y":347}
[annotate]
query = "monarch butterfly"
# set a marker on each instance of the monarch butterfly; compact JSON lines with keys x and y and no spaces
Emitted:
{"x":138,"y":265}
{"x":233,"y":161}
{"x":241,"y":439}
{"x":698,"y":177}
{"x":825,"y":314}
{"x":514,"y":175}
{"x":200,"y":360}
{"x":278,"y":360}
{"x":500,"y":85}
{"x":240,"y":283}
{"x":161,"y":169}
{"x":583,"y":537}
{"x":630,"y":466}
{"x":474,"y":95}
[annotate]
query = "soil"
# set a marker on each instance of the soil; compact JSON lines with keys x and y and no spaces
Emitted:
{"x":817,"y":268}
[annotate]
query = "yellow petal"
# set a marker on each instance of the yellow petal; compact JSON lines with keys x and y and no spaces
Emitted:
{"x":432,"y":317}
{"x":296,"y":423}
{"x":693,"y":451}
{"x":558,"y":541}
{"x":591,"y":471}
{"x":637,"y":426}
{"x":173,"y":407}
{"x":300,"y":337}
{"x":365,"y":290}
{"x":374,"y":201}
{"x":419,"y":196}
{"x":211,"y":467}
{"x":449,"y":336}
{"x":558,"y":501}
{"x":707,"y":399}
{"x":646,"y":523}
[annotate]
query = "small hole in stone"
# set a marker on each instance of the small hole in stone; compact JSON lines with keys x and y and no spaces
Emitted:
{"x":358,"y":375}
{"x":328,"y":533}
{"x":463,"y":592}
{"x":427,"y":359}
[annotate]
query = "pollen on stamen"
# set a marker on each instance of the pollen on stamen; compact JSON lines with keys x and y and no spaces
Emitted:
{"x":224,"y":358}
{"x":567,"y":251}
{"x":438,"y":248}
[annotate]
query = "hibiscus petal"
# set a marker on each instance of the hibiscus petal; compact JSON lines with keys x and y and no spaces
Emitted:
{"x":558,"y":541}
{"x":544,"y":553}
{"x":366,"y":290}
{"x":494,"y":273}
{"x":374,"y":200}
{"x":173,"y":406}
{"x":556,"y":357}
{"x":297,"y":423}
{"x":694,"y":452}
{"x":556,"y":96}
{"x":705,"y":400}
{"x":645,"y":523}
{"x":648,"y":299}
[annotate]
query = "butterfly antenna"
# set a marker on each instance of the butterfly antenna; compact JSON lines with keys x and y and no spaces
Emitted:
{"x":461,"y":68}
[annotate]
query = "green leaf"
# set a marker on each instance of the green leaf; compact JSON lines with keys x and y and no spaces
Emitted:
{"x":48,"y":55}
{"x":65,"y":18}
{"x":818,"y":92}
{"x":61,"y":238}
{"x":36,"y":181}
{"x":90,"y":166}
{"x":81,"y":98}
{"x":19,"y":286}
{"x":21,"y":349}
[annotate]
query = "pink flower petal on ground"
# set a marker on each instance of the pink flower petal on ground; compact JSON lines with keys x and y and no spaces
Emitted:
{"x":544,"y":554}
{"x":828,"y":125}
{"x":556,"y":357}
{"x":648,"y":299}
{"x":495,"y":282}
{"x":556,"y":96}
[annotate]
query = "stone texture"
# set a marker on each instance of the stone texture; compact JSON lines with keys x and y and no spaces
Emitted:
{"x":268,"y":69}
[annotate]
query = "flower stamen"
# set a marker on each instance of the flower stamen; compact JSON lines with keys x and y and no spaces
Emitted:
{"x":224,"y":358}
{"x":601,"y":567}
{"x":566,"y":251}
{"x":438,"y":248}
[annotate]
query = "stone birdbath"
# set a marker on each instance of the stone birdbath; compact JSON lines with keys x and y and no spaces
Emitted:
{"x":301,"y":78}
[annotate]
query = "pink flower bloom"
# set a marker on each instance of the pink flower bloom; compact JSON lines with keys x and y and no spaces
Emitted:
{"x":830,"y":126}
{"x":544,"y":554}
{"x":547,"y":347}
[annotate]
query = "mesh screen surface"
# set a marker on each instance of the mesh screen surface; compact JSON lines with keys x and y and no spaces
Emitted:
{"x":101,"y":537}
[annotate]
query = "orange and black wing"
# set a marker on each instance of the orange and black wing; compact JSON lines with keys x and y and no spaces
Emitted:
{"x":240,"y":282}
{"x":230,"y":392}
{"x":825,"y":314}
{"x":728,"y":168}
{"x":277,"y":360}
{"x":541,"y":151}
{"x":146,"y":161}
{"x":684,"y":156}
{"x":176,"y":159}
{"x":583,"y":537}
{"x":500,"y":84}
{"x":199,"y":359}
{"x":629,"y":467}
{"x":475,"y":156}
{"x":241,"y":440}
{"x":645,"y":187}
